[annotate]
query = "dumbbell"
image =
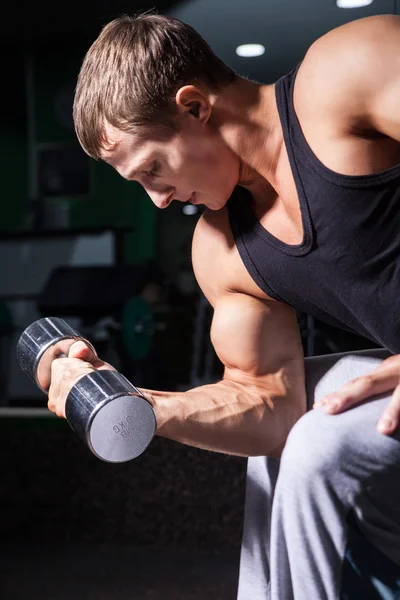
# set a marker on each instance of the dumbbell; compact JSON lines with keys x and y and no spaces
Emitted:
{"x":103,"y":408}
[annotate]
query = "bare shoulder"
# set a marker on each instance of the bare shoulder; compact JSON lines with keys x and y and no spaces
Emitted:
{"x":343,"y":69}
{"x":216,"y":261}
{"x":367,"y":31}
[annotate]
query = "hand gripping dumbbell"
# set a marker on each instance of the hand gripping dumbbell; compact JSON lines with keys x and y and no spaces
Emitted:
{"x":103,"y":408}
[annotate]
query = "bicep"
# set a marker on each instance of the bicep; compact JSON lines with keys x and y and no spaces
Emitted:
{"x":257,"y":340}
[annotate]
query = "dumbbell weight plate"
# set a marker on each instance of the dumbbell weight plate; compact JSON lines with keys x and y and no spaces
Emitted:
{"x":42,"y":342}
{"x":108,"y":413}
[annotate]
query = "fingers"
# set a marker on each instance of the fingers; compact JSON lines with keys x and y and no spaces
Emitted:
{"x":390,"y":419}
{"x":65,"y":372}
{"x":383,"y":379}
{"x":85,"y":353}
{"x":81,"y":350}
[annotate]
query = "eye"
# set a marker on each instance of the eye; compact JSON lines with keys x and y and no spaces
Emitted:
{"x":154,"y":170}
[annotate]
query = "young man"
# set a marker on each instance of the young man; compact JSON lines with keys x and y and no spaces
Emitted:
{"x":301,"y":182}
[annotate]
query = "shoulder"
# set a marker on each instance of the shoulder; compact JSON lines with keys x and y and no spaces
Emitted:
{"x":369,"y":30}
{"x":216,"y":262}
{"x":359,"y":44}
{"x":344,"y":69}
{"x":212,"y":251}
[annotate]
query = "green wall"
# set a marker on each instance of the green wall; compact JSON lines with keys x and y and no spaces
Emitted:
{"x":121,"y":203}
{"x":13,"y":177}
{"x":13,"y":164}
{"x":112,"y":200}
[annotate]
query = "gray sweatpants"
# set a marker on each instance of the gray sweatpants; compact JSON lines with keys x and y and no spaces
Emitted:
{"x":296,"y":527}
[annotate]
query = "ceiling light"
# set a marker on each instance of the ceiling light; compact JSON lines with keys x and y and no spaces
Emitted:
{"x":250,"y":50}
{"x":353,"y":3}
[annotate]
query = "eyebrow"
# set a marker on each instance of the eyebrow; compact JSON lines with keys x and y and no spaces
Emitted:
{"x":138,"y":168}
{"x":132,"y":173}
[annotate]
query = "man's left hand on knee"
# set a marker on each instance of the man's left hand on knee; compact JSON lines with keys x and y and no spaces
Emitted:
{"x":384,"y":378}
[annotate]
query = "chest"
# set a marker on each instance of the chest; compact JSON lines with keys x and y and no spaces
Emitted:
{"x":281,"y":215}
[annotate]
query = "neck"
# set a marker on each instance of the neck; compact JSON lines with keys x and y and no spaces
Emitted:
{"x":246,"y":115}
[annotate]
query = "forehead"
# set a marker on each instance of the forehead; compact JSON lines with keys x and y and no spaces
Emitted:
{"x":139,"y":136}
{"x":118,"y":140}
{"x":126,"y":149}
{"x":134,"y":142}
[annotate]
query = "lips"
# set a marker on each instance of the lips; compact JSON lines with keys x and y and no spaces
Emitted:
{"x":192,"y":198}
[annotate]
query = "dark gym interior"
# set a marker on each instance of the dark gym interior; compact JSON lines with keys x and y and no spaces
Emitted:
{"x":80,"y":243}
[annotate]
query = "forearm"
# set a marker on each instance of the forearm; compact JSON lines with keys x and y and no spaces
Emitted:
{"x":229,"y":417}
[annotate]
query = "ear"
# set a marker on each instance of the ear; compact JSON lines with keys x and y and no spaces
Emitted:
{"x":193,"y":101}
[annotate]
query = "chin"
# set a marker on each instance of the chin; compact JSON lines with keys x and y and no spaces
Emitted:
{"x":220,"y":201}
{"x":216,"y":205}
{"x":224,"y":201}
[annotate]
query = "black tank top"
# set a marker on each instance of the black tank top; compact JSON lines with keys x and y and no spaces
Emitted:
{"x":346,"y":271}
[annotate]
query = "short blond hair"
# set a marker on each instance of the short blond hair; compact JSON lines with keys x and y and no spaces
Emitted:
{"x":132,"y":71}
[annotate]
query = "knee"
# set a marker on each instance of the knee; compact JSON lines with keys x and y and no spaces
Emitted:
{"x":322,"y":445}
{"x":315,"y":447}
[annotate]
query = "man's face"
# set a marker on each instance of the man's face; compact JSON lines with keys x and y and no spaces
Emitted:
{"x":191,"y":164}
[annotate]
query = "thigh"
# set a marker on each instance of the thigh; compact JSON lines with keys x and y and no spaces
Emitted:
{"x":347,"y":449}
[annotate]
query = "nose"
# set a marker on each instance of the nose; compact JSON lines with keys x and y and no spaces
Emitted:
{"x":161,"y":199}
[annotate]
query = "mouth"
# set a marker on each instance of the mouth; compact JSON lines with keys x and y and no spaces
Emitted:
{"x":192,"y":199}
